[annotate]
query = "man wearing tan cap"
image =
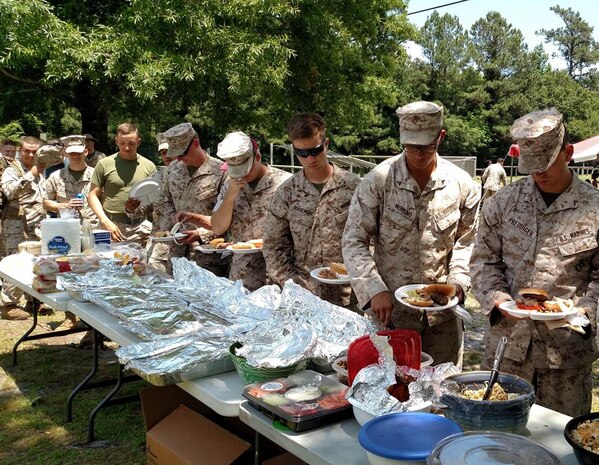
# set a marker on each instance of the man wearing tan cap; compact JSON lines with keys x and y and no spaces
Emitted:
{"x":23,"y":184}
{"x":192,"y":184}
{"x":307,"y":213}
{"x":243,"y":202}
{"x":111,"y":182}
{"x":419,"y":211}
{"x":541,"y":232}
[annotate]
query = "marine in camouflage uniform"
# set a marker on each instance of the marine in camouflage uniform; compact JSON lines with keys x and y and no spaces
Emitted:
{"x":61,"y":186}
{"x":253,"y":185}
{"x":303,"y":231}
{"x":196,"y":193}
{"x":420,"y":235}
{"x":158,"y":252}
{"x":22,"y":216}
{"x":529,"y":238}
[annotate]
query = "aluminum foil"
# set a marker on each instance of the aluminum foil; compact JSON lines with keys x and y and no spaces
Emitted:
{"x":170,"y":361}
{"x":369,"y":388}
{"x":303,"y":326}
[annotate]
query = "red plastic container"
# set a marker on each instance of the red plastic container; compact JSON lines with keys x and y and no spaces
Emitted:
{"x":406,"y":344}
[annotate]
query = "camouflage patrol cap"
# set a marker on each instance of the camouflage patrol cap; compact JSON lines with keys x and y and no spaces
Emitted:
{"x":179,"y":138}
{"x":73,"y":144}
{"x":48,"y":155}
{"x":237,"y":150}
{"x":419,"y":123}
{"x":539,"y":135}
{"x":162,"y":143}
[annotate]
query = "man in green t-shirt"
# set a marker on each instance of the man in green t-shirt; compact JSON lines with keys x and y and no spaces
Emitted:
{"x":110,"y":184}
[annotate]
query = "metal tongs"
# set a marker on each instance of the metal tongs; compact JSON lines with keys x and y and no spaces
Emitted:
{"x":499,"y":351}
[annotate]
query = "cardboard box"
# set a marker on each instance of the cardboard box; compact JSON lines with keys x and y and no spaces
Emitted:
{"x":177,"y":434}
{"x":284,"y":459}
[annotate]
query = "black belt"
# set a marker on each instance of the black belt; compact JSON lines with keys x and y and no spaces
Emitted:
{"x":124,"y":219}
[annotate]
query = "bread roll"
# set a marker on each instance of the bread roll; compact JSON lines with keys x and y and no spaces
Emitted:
{"x":445,"y":289}
{"x":215,"y":242}
{"x":257,"y":242}
{"x":338,"y":268}
{"x":419,"y":302}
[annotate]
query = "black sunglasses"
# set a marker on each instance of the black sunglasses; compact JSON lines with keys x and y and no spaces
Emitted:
{"x":184,"y":154}
{"x":314,"y":151}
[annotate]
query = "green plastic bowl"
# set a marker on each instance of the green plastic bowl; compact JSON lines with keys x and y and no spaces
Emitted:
{"x":251,"y":374}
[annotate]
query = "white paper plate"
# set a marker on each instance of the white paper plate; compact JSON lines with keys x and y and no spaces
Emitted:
{"x":207,"y":248}
{"x":147,"y":191}
{"x":343,"y":278}
{"x":243,"y":251}
{"x":401,"y":295}
{"x":177,"y":236}
{"x":513,"y":310}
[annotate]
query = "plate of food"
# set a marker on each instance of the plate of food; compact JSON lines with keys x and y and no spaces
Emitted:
{"x":335,"y":273}
{"x":243,"y":248}
{"x":218,"y":245}
{"x":430,"y":297}
{"x":536,"y":304}
{"x":166,"y":236}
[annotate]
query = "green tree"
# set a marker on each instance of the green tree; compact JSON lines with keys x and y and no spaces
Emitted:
{"x":575,"y":43}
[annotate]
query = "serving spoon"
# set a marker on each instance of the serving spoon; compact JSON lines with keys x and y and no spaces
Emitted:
{"x":499,"y":351}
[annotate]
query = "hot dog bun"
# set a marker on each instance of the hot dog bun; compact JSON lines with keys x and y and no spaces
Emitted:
{"x":448,"y":290}
{"x":419,"y":302}
{"x":338,"y":268}
{"x":257,"y":242}
{"x":243,"y":245}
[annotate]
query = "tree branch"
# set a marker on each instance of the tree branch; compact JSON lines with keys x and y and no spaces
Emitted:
{"x":17,"y":78}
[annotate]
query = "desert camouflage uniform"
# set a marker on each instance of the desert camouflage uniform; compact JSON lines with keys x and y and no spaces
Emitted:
{"x":61,"y":186}
{"x":418,"y":237}
{"x":523,"y":243}
{"x":21,"y":217}
{"x":197,"y":194}
{"x":492,"y":179}
{"x":3,"y":165}
{"x":249,"y":215}
{"x":303,"y":231}
{"x":158,"y":251}
{"x":94,"y":159}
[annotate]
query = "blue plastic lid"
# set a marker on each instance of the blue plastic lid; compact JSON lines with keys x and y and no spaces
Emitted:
{"x":406,"y":436}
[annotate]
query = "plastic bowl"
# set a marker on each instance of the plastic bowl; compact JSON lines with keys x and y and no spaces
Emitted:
{"x":363,"y":417}
{"x":584,"y":456}
{"x":508,"y":416}
{"x":340,"y":369}
{"x":425,"y":360}
{"x":404,"y":437}
{"x":251,"y":374}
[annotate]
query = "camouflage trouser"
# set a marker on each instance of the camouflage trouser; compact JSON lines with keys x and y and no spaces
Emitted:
{"x":137,"y":233}
{"x":158,"y":253}
{"x":13,"y":234}
{"x":566,"y":391}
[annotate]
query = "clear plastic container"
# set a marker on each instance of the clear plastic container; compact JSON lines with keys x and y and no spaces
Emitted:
{"x":301,"y":401}
{"x":490,"y":448}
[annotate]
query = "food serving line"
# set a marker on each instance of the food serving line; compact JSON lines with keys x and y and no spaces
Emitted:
{"x":327,"y":445}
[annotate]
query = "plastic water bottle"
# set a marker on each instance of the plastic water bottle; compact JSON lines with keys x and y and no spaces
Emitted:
{"x":87,"y":240}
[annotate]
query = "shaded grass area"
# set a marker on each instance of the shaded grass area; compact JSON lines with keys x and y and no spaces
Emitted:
{"x":33,"y":398}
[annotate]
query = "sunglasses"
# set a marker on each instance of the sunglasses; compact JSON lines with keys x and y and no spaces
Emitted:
{"x":428,"y":149}
{"x":314,"y":151}
{"x":184,"y":154}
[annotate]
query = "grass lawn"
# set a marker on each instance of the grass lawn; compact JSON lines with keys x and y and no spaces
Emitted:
{"x":33,"y":429}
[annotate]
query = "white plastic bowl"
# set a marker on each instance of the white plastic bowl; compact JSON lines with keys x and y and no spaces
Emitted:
{"x":362,"y":417}
{"x":425,"y":360}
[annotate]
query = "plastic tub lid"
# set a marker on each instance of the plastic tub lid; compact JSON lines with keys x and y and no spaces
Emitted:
{"x":406,"y":436}
{"x":490,"y":448}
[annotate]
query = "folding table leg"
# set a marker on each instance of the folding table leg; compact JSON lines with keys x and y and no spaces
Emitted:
{"x":36,"y":305}
{"x":257,"y":451}
{"x":90,"y":375}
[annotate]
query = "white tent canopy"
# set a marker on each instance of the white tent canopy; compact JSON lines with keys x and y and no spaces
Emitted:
{"x":586,"y":150}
